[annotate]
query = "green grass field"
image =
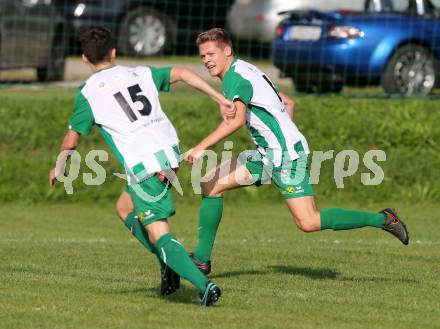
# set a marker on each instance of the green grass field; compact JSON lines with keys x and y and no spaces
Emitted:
{"x":33,"y":124}
{"x":67,"y":262}
{"x":76,"y":266}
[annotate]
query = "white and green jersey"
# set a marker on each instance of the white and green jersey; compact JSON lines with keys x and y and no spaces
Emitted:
{"x":123,"y":102}
{"x":268,"y":122}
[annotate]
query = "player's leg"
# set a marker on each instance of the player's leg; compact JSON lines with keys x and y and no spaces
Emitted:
{"x":309,"y":219}
{"x":170,"y":281}
{"x":125,"y":211}
{"x":305,"y":213}
{"x":227,"y":176}
{"x":124,"y":205}
{"x":176,"y":257}
{"x":153,"y":202}
{"x":301,"y":203}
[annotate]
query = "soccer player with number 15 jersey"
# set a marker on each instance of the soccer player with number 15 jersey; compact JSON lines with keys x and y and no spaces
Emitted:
{"x":123,"y":103}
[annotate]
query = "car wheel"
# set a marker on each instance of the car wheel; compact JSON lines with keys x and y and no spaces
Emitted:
{"x":54,"y":70}
{"x":334,"y":88}
{"x":145,"y":32}
{"x":306,"y":88}
{"x":411,"y":70}
{"x":318,"y":88}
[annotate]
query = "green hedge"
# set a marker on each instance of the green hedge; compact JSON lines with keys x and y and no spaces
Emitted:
{"x":33,"y":123}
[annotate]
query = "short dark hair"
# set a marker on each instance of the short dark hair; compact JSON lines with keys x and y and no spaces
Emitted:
{"x":216,"y":34}
{"x":96,"y":44}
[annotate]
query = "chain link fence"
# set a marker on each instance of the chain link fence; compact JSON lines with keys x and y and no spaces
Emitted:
{"x":386,"y":47}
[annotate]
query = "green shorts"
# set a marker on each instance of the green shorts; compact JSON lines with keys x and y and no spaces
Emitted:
{"x":152,"y":200}
{"x":291,"y":178}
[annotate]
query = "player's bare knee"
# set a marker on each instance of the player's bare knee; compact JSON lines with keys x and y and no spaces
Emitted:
{"x":206,"y":188}
{"x":121,"y":214}
{"x":308,"y":223}
{"x":216,"y":191}
{"x":156,"y":230}
{"x":305,"y":227}
{"x":122,"y":211}
{"x":210,"y":189}
{"x":153,"y":239}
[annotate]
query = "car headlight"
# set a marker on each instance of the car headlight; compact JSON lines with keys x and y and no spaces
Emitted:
{"x":345,"y":32}
{"x":79,"y":10}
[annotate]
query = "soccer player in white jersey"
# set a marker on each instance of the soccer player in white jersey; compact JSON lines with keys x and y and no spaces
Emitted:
{"x":123,"y":102}
{"x":281,"y":154}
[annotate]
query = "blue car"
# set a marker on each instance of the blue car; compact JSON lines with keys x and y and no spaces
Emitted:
{"x":395,"y":43}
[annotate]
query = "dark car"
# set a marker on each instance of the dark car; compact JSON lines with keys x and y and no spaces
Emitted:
{"x":398,"y":46}
{"x":32,"y":35}
{"x":146,"y":27}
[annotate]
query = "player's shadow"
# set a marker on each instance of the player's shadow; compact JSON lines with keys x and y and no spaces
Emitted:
{"x":184,"y":295}
{"x":325,"y":273}
{"x":312,"y":273}
{"x":393,"y":280}
{"x":238,"y":273}
{"x":303,"y":271}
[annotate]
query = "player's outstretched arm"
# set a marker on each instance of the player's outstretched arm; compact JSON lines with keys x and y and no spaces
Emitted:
{"x":289,"y":103}
{"x":227,"y":108}
{"x":70,"y":142}
{"x":221,"y":132}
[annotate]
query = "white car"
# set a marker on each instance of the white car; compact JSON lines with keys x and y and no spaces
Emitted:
{"x":257,"y":20}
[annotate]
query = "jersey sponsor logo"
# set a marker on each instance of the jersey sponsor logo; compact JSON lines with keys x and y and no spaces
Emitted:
{"x":293,"y":190}
{"x":101,"y":85}
{"x":299,"y":189}
{"x":146,"y":215}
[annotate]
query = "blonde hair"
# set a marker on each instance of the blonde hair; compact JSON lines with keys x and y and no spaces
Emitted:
{"x":216,"y":34}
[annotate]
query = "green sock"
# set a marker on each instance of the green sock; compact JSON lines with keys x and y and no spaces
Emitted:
{"x":134,"y":225}
{"x":345,"y":219}
{"x":175,"y":256}
{"x":210,"y":214}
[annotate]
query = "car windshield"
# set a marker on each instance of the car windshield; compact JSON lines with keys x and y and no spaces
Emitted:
{"x":403,"y":6}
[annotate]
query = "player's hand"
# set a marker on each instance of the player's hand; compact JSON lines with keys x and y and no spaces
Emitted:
{"x":193,"y":155}
{"x":163,"y":175}
{"x":227,"y":109}
{"x":52,"y":177}
{"x":289,"y":104}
